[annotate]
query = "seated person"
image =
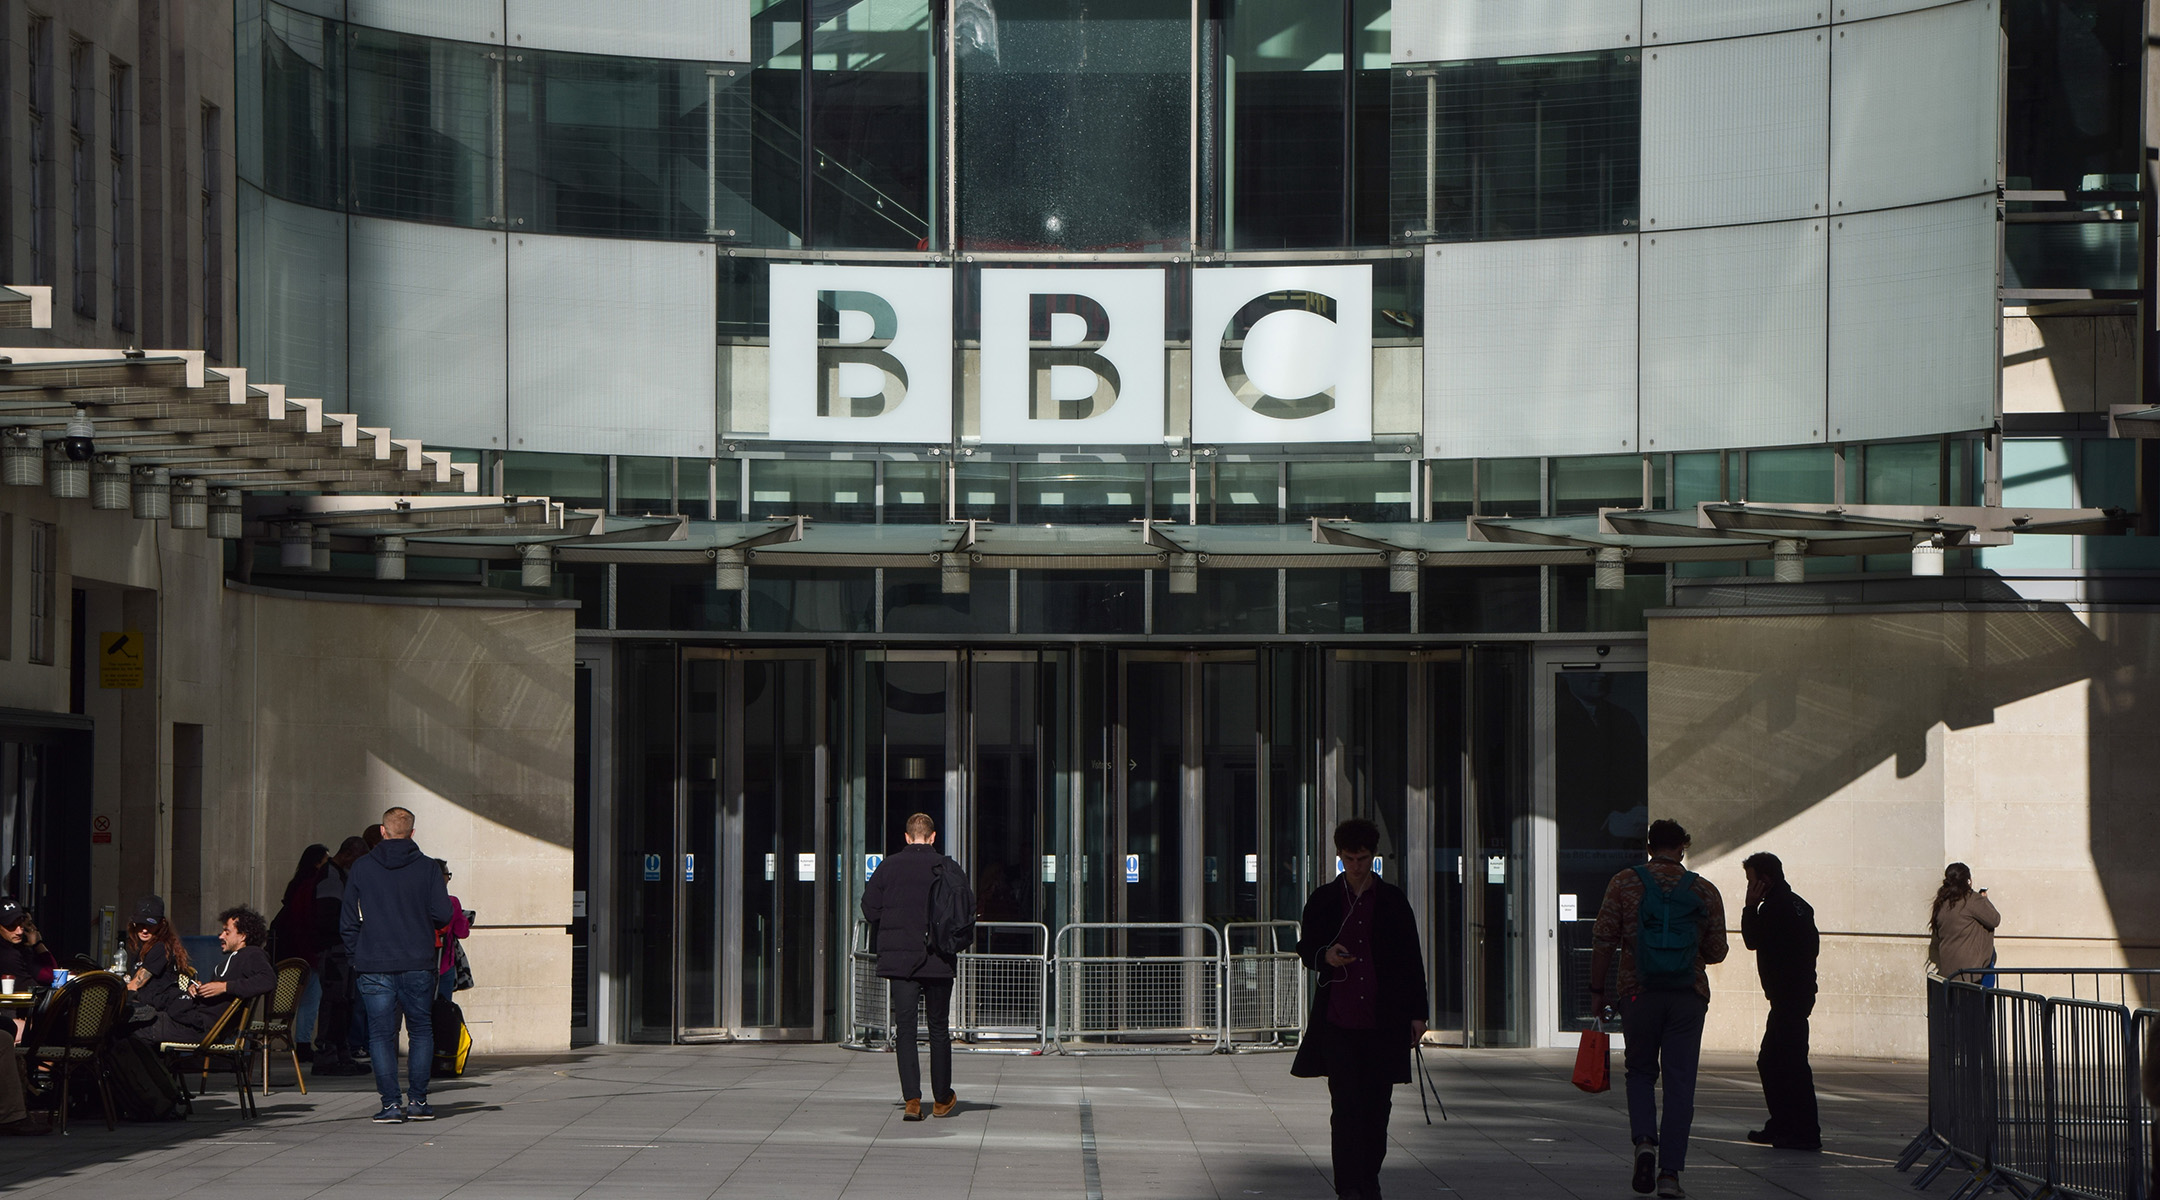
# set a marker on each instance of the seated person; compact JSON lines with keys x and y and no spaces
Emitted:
{"x":244,"y":973}
{"x":23,"y":956}
{"x":156,"y":963}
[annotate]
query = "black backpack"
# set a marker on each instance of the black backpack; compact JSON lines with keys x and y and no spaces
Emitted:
{"x":142,"y":1087}
{"x":951,"y":925}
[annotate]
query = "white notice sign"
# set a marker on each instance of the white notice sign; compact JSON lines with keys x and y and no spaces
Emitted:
{"x":1567,"y":907}
{"x":1252,"y":868}
{"x":805,"y":867}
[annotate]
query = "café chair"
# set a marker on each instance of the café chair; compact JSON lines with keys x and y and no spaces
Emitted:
{"x":230,"y":1038}
{"x":70,"y":1033}
{"x":275,"y":1024}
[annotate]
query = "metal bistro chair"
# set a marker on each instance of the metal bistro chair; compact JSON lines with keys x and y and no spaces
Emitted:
{"x":274,"y":1025}
{"x":230,"y":1037}
{"x":69,"y":1035}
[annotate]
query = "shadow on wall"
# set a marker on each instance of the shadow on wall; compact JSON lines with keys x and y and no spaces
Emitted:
{"x":476,"y":706}
{"x":1755,"y":720}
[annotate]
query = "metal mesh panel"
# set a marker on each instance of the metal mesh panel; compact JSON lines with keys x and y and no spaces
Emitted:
{"x":1264,"y":982}
{"x":999,"y":999}
{"x":1111,"y":991}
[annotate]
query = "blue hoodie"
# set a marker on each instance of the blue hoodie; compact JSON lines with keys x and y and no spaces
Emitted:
{"x":403,"y":897}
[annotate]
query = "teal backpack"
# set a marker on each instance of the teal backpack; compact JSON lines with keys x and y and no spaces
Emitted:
{"x":1668,"y":932}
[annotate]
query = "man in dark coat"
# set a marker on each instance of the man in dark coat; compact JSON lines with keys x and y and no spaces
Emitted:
{"x":1780,"y":928}
{"x":897,"y":904}
{"x":396,"y":901}
{"x":1358,"y":932}
{"x":243,"y":973}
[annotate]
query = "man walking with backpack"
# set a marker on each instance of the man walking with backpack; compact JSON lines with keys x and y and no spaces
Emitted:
{"x":922,"y":914}
{"x":1664,"y":924}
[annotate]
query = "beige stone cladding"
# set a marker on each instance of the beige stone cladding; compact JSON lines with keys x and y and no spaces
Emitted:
{"x":1867,"y":749}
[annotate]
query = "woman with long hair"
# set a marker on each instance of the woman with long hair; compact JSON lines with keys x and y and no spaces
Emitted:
{"x":293,"y":934}
{"x":1961,"y":926}
{"x":155,"y":961}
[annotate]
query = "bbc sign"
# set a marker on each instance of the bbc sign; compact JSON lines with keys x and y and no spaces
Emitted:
{"x":1071,"y":357}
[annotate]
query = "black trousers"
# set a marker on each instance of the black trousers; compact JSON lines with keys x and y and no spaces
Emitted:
{"x":1362,"y":1097}
{"x":1788,"y":1083}
{"x":937,"y":1000}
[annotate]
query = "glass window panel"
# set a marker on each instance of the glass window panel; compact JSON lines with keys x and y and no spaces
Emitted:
{"x":775,"y":120}
{"x":1173,"y":489}
{"x":1902,"y":473}
{"x":871,"y":122}
{"x":674,"y":597}
{"x":646,"y":485}
{"x":1228,"y":601}
{"x":618,"y":146}
{"x":1325,"y":600}
{"x":1360,"y":491}
{"x":823,"y":491}
{"x":1450,"y":489}
{"x":578,"y":480}
{"x":1529,"y":147}
{"x":914,"y":493}
{"x":1081,"y":602}
{"x":2107,"y":474}
{"x":1583,"y":608}
{"x":1802,"y":476}
{"x":1585,"y":485}
{"x":1081,"y":493}
{"x":2099,"y":255}
{"x":812,"y":599}
{"x":1480,"y":599}
{"x":1509,"y":487}
{"x":2072,"y":86}
{"x":983,"y":491}
{"x":1283,"y":148}
{"x":2035,"y":474}
{"x":693,"y":486}
{"x":300,"y":108}
{"x":915,"y":602}
{"x":1239,"y":493}
{"x":1075,"y":126}
{"x":1696,"y":478}
{"x":1373,"y":122}
{"x":422,"y":128}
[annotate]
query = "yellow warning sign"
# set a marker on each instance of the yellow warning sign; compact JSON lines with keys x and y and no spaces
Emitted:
{"x":120,"y":659}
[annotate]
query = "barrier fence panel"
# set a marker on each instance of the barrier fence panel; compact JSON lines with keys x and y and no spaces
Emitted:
{"x":1139,"y":986}
{"x":1001,"y":990}
{"x":2144,"y":1050}
{"x":1964,"y":1107}
{"x":1264,"y":982}
{"x":2095,"y":1107}
{"x":2022,"y":1085}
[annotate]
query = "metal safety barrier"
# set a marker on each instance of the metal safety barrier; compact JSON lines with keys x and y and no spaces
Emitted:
{"x":2037,"y":1093}
{"x":1264,"y":983}
{"x":1139,"y":986}
{"x":1001,"y":990}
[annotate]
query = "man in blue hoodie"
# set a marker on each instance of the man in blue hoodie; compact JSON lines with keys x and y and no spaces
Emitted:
{"x":395,"y":901}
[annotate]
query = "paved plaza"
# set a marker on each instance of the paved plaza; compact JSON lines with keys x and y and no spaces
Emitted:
{"x":815,"y":1121}
{"x":810,"y":1121}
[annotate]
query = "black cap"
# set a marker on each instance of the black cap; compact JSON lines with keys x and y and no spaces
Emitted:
{"x":12,"y":915}
{"x":148,"y":911}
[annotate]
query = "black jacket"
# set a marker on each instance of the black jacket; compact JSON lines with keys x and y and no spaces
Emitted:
{"x":1398,"y":967}
{"x":30,"y":968}
{"x":897,"y":904}
{"x":1781,"y":932}
{"x":246,"y":974}
{"x":395,"y":900}
{"x":162,"y":990}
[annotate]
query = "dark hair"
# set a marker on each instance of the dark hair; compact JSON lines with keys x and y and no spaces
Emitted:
{"x":1765,"y":864}
{"x":350,"y":849}
{"x":371,"y":835}
{"x":1355,"y":834}
{"x":1667,"y":835}
{"x":1956,"y":885}
{"x":920,"y":825}
{"x":248,"y":922}
{"x":311,"y":863}
{"x":444,"y":863}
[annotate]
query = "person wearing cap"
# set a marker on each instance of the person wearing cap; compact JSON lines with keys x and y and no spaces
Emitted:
{"x":23,"y":955}
{"x":154,"y":961}
{"x":243,"y":972}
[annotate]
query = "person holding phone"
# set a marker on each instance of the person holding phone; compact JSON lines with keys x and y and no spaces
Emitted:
{"x":1961,"y":927}
{"x":242,"y":973}
{"x":1359,"y":935}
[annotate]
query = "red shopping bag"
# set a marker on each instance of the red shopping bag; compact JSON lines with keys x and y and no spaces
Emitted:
{"x":1593,"y":1062}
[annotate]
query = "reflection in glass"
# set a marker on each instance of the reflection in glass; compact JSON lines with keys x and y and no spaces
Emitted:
{"x":645,"y":486}
{"x":1075,"y":127}
{"x":1322,"y":600}
{"x":1082,"y":602}
{"x":300,"y":107}
{"x":983,"y":491}
{"x":1359,"y":491}
{"x":1230,"y":789}
{"x":1154,"y":767}
{"x":812,"y":599}
{"x":1530,"y":147}
{"x":645,"y":823}
{"x":1509,"y":487}
{"x":2071,"y":95}
{"x":1902,"y":473}
{"x":825,"y":491}
{"x":1229,"y":600}
{"x":871,"y":123}
{"x":1283,"y":145}
{"x":1601,"y":808}
{"x":1582,"y":607}
{"x":1805,"y":475}
{"x":914,"y":493}
{"x":424,"y":123}
{"x":1450,"y":489}
{"x":1239,"y":493}
{"x":578,"y":480}
{"x":915,"y":602}
{"x":1009,"y":803}
{"x":1081,"y":493}
{"x":1585,"y":485}
{"x":702,"y":824}
{"x":780,"y":744}
{"x":909,"y":764}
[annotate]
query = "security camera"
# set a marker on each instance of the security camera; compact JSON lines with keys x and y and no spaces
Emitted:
{"x":79,"y":442}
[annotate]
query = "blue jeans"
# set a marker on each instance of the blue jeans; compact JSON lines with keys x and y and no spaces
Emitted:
{"x":310,"y":1003}
{"x":385,"y":995}
{"x":1663,"y":1029}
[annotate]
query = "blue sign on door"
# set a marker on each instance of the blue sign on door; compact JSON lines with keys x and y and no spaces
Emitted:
{"x":652,"y":868}
{"x":1132,"y":868}
{"x":689,"y":868}
{"x":871,"y":862}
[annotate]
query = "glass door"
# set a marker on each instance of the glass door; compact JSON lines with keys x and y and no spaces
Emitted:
{"x":1593,"y":716}
{"x":1013,"y":814}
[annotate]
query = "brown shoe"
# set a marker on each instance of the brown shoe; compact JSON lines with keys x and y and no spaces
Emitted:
{"x":914,"y":1111}
{"x":944,"y":1108}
